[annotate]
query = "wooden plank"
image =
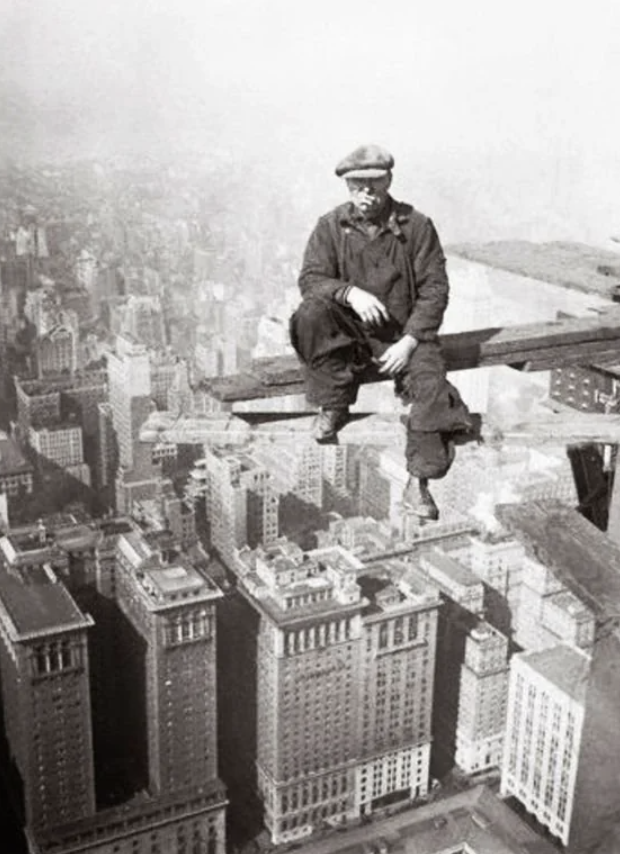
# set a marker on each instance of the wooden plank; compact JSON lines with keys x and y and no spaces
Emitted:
{"x":583,"y":558}
{"x":229,"y":429}
{"x":561,"y":428}
{"x":566,"y":428}
{"x":538,"y":346}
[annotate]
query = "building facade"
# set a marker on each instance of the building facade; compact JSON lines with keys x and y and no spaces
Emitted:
{"x":543,"y":734}
{"x":134,"y":704}
{"x":241,"y":501}
{"x":482,"y":700}
{"x":345,"y":660}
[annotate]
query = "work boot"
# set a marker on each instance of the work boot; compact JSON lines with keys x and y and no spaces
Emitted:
{"x":328,"y":422}
{"x":418,"y":499}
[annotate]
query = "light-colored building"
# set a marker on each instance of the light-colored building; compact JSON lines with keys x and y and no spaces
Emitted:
{"x":241,"y":501}
{"x":56,"y":352}
{"x":546,"y":702}
{"x":130,"y":397}
{"x":295,"y":468}
{"x":61,"y":443}
{"x":482,"y":700}
{"x":454,"y":580}
{"x":548,"y":614}
{"x":398,"y":654}
{"x":345,"y":659}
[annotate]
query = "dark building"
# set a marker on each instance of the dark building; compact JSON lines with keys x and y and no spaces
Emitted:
{"x":108,"y":670}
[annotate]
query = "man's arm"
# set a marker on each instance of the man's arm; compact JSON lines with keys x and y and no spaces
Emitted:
{"x":432,"y":288}
{"x":320,"y":272}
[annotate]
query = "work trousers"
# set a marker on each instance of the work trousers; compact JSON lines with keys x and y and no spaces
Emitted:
{"x":337,"y":350}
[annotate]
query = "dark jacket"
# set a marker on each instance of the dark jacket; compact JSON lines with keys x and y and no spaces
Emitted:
{"x":403,"y":265}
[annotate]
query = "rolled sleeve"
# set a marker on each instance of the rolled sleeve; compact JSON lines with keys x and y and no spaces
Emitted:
{"x":320,"y":271}
{"x":432,"y":287}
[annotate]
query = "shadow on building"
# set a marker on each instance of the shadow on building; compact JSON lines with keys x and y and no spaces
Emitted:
{"x":237,"y":716}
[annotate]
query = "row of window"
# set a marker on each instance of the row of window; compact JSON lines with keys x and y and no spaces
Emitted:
{"x":317,"y":636}
{"x":52,"y":657}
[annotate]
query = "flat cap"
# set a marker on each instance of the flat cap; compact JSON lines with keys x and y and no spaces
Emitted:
{"x":367,"y":161}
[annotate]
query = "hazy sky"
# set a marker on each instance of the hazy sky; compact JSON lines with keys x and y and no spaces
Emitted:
{"x":458,"y":90}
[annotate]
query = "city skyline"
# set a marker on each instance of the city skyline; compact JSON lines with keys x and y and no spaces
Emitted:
{"x":249,"y":645}
{"x":481,"y":115}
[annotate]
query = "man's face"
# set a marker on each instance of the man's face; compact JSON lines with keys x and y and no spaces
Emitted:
{"x":369,"y":194}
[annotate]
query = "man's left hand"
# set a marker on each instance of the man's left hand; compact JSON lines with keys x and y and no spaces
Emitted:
{"x":395,"y":358}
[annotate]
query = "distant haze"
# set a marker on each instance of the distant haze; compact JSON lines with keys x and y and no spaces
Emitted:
{"x":503,"y":116}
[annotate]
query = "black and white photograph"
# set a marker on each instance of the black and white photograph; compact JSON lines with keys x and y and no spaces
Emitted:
{"x":309,"y":427}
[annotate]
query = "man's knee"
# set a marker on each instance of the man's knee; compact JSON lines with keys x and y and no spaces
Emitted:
{"x":312,"y":313}
{"x":427,"y":361}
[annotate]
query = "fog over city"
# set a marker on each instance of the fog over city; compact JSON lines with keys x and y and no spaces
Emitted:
{"x":244,"y":609}
{"x":501,"y":116}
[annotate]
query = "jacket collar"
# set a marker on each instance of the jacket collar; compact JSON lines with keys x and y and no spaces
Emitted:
{"x":392,"y":218}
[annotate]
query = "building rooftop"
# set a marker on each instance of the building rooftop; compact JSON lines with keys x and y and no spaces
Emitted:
{"x":567,"y":601}
{"x":564,"y":666}
{"x":37,"y":603}
{"x":471,"y":822}
{"x":440,"y":563}
{"x":393,"y":585}
{"x":585,"y":559}
{"x":25,"y":541}
{"x":77,"y":537}
{"x":57,"y":426}
{"x":571,"y":265}
{"x":12,"y":461}
{"x":179,"y":581}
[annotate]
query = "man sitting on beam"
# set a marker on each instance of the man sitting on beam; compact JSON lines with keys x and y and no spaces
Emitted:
{"x":375,"y":290}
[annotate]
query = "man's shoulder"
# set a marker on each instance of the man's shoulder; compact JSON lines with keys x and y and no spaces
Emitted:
{"x":336,"y":216}
{"x":407,"y":214}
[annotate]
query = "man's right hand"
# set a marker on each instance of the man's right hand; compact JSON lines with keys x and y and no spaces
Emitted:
{"x":367,"y":306}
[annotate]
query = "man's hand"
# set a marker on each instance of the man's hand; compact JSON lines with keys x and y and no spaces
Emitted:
{"x":366,"y":306}
{"x":395,"y":358}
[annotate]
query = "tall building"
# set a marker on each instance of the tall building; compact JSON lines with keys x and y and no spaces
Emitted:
{"x":462,"y":595}
{"x":45,"y":685}
{"x":398,"y":659}
{"x":546,"y":704}
{"x":112,"y":740}
{"x":60,"y":443}
{"x":345,"y":657}
{"x":52,"y":401}
{"x":241,"y":502}
{"x":482,"y":700}
{"x":172,"y":608}
{"x":130,"y":398}
{"x":582,"y":684}
{"x":140,"y":317}
{"x":296,"y":469}
{"x":548,"y":613}
{"x":56,"y":352}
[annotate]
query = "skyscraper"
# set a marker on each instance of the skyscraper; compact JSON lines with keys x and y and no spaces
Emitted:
{"x":112,"y":740}
{"x":241,"y":502}
{"x":345,"y":657}
{"x":130,"y":397}
{"x":546,"y":704}
{"x":482,"y":700}
{"x":45,"y":685}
